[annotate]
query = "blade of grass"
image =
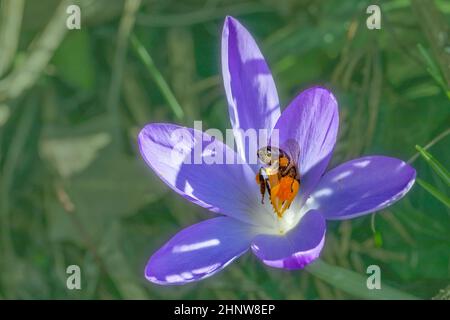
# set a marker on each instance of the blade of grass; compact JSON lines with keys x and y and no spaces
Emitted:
{"x":126,"y":26}
{"x":430,"y":144}
{"x":434,"y":192}
{"x":432,"y":69}
{"x":25,"y":75}
{"x":7,"y":175}
{"x":147,"y":60}
{"x":435,"y":165}
{"x":11,"y":20}
{"x":354,"y":283}
{"x":435,"y":27}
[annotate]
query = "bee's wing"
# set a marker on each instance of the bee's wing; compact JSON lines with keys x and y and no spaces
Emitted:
{"x":292,"y":149}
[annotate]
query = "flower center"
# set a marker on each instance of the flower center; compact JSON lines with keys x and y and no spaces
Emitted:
{"x":278,"y":177}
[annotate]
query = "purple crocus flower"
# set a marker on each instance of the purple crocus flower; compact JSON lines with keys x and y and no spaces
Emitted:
{"x":288,"y":239}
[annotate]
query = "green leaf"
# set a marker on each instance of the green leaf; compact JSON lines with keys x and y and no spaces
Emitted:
{"x":437,"y":167}
{"x":432,"y":68}
{"x":354,"y":283}
{"x":434,"y":192}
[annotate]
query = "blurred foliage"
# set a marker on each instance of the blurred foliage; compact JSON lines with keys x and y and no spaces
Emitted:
{"x":74,"y":190}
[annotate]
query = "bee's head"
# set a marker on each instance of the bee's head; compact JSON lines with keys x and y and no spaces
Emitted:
{"x":268,"y":155}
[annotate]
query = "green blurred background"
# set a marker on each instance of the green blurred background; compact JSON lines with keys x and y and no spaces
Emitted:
{"x":74,"y":189}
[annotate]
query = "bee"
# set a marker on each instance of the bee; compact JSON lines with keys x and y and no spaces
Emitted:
{"x":279,"y":176}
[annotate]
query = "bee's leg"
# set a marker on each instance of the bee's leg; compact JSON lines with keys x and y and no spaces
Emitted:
{"x":262,"y":188}
{"x":262,"y":184}
{"x":268,"y":187}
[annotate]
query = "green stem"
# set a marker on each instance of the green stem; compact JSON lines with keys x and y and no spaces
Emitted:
{"x":157,"y":76}
{"x":125,"y":28}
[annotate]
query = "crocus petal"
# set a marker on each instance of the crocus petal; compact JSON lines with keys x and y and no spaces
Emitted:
{"x":184,"y":159}
{"x":362,"y":186}
{"x":297,"y":248}
{"x":249,"y":86}
{"x":199,"y":251}
{"x":307,"y":130}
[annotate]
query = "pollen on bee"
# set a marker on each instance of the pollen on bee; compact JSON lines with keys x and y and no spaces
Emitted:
{"x":284,"y":162}
{"x":283,"y":194}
